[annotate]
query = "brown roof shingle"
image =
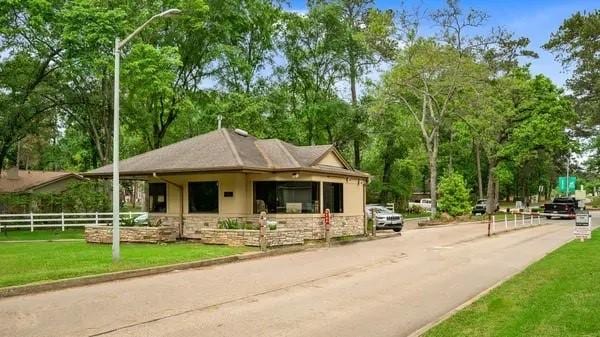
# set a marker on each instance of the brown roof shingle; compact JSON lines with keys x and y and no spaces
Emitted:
{"x":223,"y":149}
{"x":29,"y":179}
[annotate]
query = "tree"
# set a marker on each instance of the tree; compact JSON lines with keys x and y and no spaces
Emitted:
{"x":577,"y":45}
{"x":454,"y":195}
{"x":429,"y":80}
{"x":28,"y":35}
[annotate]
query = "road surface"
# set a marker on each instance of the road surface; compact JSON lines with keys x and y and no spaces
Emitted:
{"x":388,"y":287}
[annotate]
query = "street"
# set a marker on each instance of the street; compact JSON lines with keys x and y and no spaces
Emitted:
{"x":387,"y":287}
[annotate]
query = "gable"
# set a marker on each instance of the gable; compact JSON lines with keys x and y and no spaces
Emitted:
{"x":331,"y":159}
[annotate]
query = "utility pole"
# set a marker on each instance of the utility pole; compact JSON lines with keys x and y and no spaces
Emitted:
{"x":568,"y":167}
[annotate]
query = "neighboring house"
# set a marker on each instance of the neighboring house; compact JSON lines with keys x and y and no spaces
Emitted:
{"x":228,"y":174}
{"x":28,"y":181}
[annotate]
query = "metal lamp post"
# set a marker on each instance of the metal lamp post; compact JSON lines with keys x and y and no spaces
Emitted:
{"x":116,"y":250}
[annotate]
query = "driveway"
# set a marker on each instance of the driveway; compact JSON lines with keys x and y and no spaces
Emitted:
{"x":388,"y":287}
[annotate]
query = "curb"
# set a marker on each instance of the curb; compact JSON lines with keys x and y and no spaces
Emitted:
{"x":126,"y":274}
{"x":419,"y":332}
{"x":36,"y":241}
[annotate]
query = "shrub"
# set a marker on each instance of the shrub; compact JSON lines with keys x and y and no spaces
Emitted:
{"x":596,"y":202}
{"x":453,"y":195}
{"x":229,"y":224}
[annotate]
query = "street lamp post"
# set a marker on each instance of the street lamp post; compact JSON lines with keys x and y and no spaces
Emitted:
{"x":116,"y":249}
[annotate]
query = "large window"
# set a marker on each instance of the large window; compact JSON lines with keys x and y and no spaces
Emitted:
{"x":203,"y":197}
{"x":333,"y":197}
{"x":286,"y":197}
{"x":158,"y":197}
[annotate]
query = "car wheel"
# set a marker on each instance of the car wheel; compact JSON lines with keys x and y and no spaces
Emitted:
{"x":397,"y":229}
{"x":548,"y":217}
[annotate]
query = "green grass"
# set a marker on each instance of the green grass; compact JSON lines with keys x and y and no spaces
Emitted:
{"x":557,"y":296}
{"x":24,"y":263}
{"x":42,"y":234}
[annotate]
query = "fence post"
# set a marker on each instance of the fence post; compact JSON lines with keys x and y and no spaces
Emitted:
{"x":530,"y":219}
{"x":62,"y":220}
{"x":539,"y":220}
{"x":31,"y":221}
{"x":494,"y":223}
{"x":373,"y":222}
{"x":515,"y":220}
{"x":96,"y":217}
{"x":522,"y":220}
{"x":506,"y":222}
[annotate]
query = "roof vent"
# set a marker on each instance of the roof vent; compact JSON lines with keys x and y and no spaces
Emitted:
{"x":241,"y":132}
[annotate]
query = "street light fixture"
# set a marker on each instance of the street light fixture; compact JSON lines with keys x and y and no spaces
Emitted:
{"x":116,"y":250}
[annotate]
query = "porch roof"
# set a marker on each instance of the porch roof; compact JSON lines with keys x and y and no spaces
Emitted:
{"x":229,"y":150}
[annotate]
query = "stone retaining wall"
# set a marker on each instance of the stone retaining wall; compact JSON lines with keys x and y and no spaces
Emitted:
{"x":103,"y":234}
{"x":313,"y":227}
{"x":240,"y":237}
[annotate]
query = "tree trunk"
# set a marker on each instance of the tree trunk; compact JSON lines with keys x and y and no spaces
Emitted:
{"x":433,"y":154}
{"x":354,"y":98}
{"x":479,"y":175}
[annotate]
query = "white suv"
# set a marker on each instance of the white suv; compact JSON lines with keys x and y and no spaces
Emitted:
{"x":384,"y":218}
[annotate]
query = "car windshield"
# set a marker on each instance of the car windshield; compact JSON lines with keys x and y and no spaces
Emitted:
{"x":381,"y":210}
{"x":481,"y":202}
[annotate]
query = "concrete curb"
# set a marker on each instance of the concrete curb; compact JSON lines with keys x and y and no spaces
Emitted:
{"x":126,"y":274}
{"x":419,"y":332}
{"x":35,"y":241}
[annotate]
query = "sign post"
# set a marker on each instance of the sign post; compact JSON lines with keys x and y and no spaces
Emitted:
{"x":583,"y":226}
{"x":327,"y":223}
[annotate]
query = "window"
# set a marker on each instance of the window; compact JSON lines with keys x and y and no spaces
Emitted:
{"x":286,"y":197}
{"x":203,"y":197}
{"x":158,"y":197}
{"x":333,"y":197}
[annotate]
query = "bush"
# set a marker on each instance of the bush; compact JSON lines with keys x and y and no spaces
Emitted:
{"x":235,"y":224}
{"x":453,"y":195}
{"x":596,"y":202}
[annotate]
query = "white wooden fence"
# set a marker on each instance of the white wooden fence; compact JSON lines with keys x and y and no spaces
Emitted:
{"x":62,"y":220}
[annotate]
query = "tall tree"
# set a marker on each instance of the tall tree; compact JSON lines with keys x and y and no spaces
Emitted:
{"x":429,"y":80}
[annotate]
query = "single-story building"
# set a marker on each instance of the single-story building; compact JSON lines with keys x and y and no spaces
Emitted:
{"x":28,"y":181}
{"x":229,"y":174}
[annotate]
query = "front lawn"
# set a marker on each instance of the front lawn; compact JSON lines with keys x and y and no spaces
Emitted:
{"x":24,"y":263}
{"x":557,"y":296}
{"x":42,"y":234}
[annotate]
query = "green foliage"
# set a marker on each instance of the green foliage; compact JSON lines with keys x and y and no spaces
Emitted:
{"x":453,"y":195}
{"x":231,"y":223}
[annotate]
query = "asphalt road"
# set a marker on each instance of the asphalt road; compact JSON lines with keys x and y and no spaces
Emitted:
{"x":388,"y":287}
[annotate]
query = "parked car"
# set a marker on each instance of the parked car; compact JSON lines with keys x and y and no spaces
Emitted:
{"x":425,"y":204}
{"x":141,"y":220}
{"x":561,"y":205}
{"x":385,"y":218}
{"x":481,"y":207}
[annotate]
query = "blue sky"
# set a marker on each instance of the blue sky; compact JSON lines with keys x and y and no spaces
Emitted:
{"x":535,"y":19}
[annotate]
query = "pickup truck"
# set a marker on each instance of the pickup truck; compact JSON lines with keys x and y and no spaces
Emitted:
{"x":423,"y":203}
{"x":561,"y":205}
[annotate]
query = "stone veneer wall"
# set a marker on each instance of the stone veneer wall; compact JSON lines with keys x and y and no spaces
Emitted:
{"x":103,"y":234}
{"x":313,"y":227}
{"x":239,"y":237}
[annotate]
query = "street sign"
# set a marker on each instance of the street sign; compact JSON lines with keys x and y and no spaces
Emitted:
{"x":562,"y":184}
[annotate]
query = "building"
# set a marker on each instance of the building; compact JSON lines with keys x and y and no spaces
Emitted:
{"x":228,"y":174}
{"x":28,"y":181}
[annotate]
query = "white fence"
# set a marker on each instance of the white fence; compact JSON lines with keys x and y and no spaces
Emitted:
{"x":501,"y":223}
{"x":62,"y":220}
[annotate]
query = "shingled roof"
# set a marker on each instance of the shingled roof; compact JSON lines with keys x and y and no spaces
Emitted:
{"x":228,"y":150}
{"x":29,"y":180}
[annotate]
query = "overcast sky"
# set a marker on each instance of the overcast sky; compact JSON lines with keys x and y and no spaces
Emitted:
{"x":535,"y":19}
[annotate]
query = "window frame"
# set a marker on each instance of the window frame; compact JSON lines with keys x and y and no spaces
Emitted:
{"x":341,"y":197}
{"x":189,"y":199}
{"x":313,"y":184}
{"x":150,"y":210}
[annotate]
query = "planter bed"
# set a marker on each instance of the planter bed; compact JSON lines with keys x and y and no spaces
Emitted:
{"x":146,"y":234}
{"x":248,"y":237}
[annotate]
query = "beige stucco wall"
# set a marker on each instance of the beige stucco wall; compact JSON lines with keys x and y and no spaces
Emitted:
{"x":331,"y":160}
{"x":241,"y":184}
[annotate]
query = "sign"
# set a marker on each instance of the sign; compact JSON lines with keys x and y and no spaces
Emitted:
{"x":583,"y":228}
{"x":327,"y":218}
{"x":562,"y":184}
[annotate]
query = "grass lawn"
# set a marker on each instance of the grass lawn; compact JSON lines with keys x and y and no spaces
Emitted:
{"x":24,"y":263}
{"x":557,"y":296}
{"x":42,"y":234}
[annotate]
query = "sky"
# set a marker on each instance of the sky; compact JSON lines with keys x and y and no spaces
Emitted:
{"x":535,"y":19}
